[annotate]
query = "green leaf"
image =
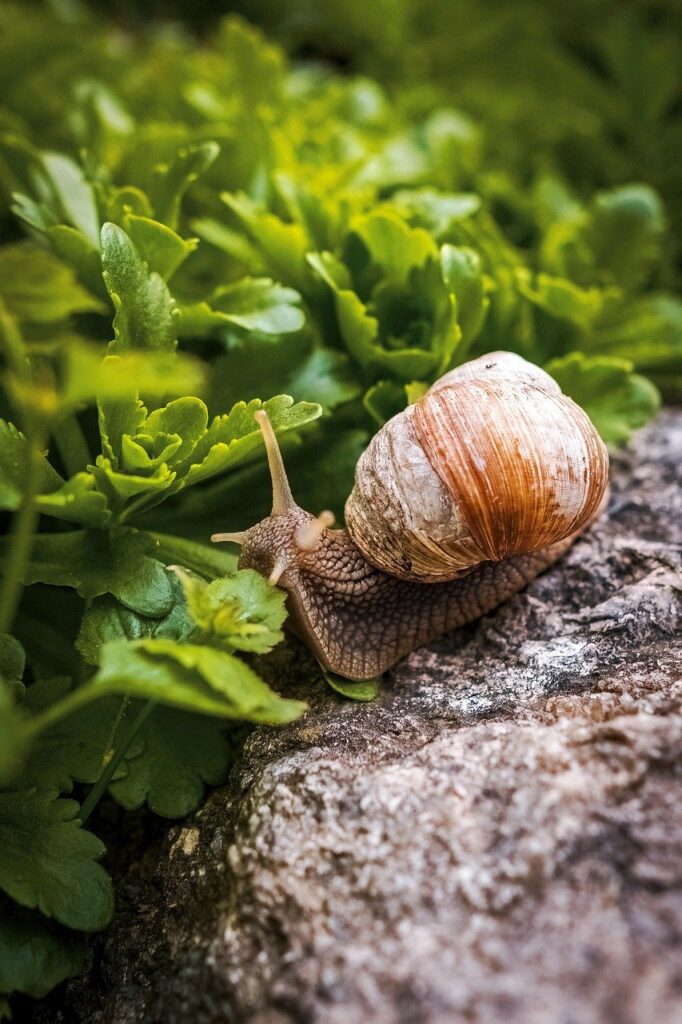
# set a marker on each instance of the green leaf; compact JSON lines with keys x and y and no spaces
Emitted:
{"x":282,"y":246}
{"x":78,"y":501}
{"x":71,"y":246}
{"x":366,"y":691}
{"x":648,"y":332}
{"x":75,"y":195}
{"x":463,"y":275}
{"x":382,"y":244}
{"x":233,"y":439}
{"x":242,"y":612}
{"x":13,"y":463}
{"x":13,"y":737}
{"x":181,"y":755}
{"x":617,"y":400}
{"x":12,"y":663}
{"x":294,"y":367}
{"x":71,"y":750}
{"x":75,"y":500}
{"x":565,"y":300}
{"x":251,"y":304}
{"x":172,"y":180}
{"x":146,"y":317}
{"x":407,"y":327}
{"x":35,"y":954}
{"x":228,"y":240}
{"x":615,"y":241}
{"x":153,"y":374}
{"x":106,"y":619}
{"x":38,"y":288}
{"x":436,"y":211}
{"x":185,"y":418}
{"x":159,"y":246}
{"x":193,"y":678}
{"x":48,"y":862}
{"x":206,"y":559}
{"x":95,"y":562}
{"x":384,"y":400}
{"x":626,"y":231}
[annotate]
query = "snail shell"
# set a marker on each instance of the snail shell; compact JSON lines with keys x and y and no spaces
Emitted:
{"x":493,"y":461}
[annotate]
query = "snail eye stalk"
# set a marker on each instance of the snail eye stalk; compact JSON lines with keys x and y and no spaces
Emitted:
{"x":232,"y":538}
{"x":282,"y":498}
{"x":308,"y":536}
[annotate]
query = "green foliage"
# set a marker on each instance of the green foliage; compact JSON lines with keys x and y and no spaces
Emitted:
{"x":190,"y":232}
{"x":241,"y":612}
{"x":35,"y":954}
{"x":49,"y":862}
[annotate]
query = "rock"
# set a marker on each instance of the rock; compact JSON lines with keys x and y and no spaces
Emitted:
{"x":497,"y":839}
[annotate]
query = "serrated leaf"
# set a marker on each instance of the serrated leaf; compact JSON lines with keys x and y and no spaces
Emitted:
{"x":251,"y":304}
{"x":181,"y":754}
{"x":48,"y":862}
{"x":35,"y":953}
{"x":96,"y":562}
{"x":232,"y":439}
{"x":381,"y":244}
{"x":146,"y":316}
{"x":241,"y":612}
{"x":406,"y":326}
{"x":617,"y":400}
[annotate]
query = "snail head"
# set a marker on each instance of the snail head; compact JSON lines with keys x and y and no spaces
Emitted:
{"x":283,"y":539}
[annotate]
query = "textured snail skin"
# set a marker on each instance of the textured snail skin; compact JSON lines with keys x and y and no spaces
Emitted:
{"x":357,"y":620}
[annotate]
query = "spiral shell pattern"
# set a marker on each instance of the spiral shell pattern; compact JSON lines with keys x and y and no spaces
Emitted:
{"x":494,"y":461}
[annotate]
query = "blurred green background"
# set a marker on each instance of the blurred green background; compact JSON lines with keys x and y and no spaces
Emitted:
{"x":593,"y":87}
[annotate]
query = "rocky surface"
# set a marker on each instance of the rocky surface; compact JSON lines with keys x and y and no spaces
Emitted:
{"x":497,"y":839}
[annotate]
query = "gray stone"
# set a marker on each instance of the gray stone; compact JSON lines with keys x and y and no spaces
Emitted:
{"x":497,"y":839}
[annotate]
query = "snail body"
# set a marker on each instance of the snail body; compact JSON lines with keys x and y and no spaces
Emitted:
{"x":459,"y":501}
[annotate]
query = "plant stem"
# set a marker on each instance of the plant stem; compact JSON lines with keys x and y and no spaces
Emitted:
{"x":100,"y":787}
{"x":21,"y":542}
{"x":72,"y":445}
{"x":118,"y":718}
{"x":201,"y":558}
{"x":25,"y":520}
{"x":73,"y":701}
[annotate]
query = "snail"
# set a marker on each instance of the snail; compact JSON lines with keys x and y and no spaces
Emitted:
{"x":459,"y":501}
